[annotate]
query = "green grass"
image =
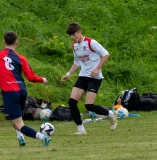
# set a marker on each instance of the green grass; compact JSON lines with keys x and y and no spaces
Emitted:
{"x":125,"y":28}
{"x":134,"y":139}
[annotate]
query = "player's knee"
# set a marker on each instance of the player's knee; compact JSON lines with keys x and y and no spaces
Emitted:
{"x":89,"y":107}
{"x":72,"y":103}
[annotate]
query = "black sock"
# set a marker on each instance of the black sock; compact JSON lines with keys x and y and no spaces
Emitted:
{"x":28,"y":131}
{"x":97,"y":109}
{"x":75,"y":113}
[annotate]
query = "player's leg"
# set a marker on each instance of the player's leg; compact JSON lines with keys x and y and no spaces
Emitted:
{"x":20,"y":136}
{"x":30,"y":132}
{"x":74,"y":98}
{"x":76,"y":94}
{"x":8,"y":99}
{"x":93,"y":87}
{"x":14,"y":114}
{"x":90,"y":106}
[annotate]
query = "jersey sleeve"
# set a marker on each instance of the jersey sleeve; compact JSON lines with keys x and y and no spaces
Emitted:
{"x":98,"y":48}
{"x":28,"y":72}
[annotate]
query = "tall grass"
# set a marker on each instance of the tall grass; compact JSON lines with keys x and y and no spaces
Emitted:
{"x":125,"y":28}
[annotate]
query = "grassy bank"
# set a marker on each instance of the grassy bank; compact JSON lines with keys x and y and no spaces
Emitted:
{"x":127,"y":29}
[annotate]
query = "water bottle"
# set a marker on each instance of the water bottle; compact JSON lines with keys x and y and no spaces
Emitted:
{"x":92,"y":114}
{"x":133,"y":115}
{"x":97,"y":119}
{"x":87,"y":121}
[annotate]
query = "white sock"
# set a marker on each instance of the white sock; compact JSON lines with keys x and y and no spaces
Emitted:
{"x":19,"y":134}
{"x":39,"y":136}
{"x":81,"y":127}
{"x":111,"y":114}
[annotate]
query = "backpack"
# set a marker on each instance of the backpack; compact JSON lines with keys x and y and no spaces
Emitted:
{"x":61,"y":114}
{"x":130,"y":99}
{"x":148,"y":102}
{"x":33,"y":107}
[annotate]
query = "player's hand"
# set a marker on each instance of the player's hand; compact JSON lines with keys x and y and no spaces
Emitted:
{"x":64,"y":78}
{"x":94,"y":72}
{"x":45,"y":81}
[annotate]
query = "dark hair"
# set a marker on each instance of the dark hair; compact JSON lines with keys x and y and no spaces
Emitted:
{"x":73,"y":27}
{"x":10,"y":37}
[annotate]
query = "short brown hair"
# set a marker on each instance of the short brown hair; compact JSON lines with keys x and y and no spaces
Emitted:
{"x":10,"y":37}
{"x":73,"y":27}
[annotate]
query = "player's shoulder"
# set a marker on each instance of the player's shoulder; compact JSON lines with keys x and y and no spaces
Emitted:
{"x":87,"y":39}
{"x":21,"y":57}
{"x":90,"y":40}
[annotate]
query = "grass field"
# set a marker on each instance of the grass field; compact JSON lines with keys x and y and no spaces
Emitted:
{"x":128,"y":30}
{"x":134,"y":139}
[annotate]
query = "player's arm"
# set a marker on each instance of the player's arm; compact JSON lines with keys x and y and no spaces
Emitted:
{"x":73,"y":69}
{"x":29,"y":73}
{"x":103,"y":53}
{"x":103,"y":61}
{"x":100,"y":65}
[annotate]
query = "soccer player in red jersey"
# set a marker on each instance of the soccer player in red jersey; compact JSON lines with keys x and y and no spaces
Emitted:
{"x":14,"y":93}
{"x":90,"y":56}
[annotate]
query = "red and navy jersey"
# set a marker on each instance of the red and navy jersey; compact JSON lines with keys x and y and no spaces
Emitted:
{"x":12,"y":64}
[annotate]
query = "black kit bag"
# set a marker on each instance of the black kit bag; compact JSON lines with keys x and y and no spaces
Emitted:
{"x":33,"y":106}
{"x":148,"y":102}
{"x":61,"y":114}
{"x":130,"y":99}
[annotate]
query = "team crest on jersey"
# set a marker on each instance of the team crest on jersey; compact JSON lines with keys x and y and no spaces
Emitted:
{"x":8,"y":64}
{"x":84,"y":48}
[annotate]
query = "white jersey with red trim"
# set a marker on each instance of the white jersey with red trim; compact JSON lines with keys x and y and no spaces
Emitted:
{"x":87,"y":54}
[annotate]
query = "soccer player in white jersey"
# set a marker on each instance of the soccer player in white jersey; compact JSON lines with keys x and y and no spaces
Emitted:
{"x":91,"y":57}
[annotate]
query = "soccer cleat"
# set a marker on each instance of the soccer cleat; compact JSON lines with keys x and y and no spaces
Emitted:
{"x":113,"y":121}
{"x":46,"y":141}
{"x":80,"y":132}
{"x":22,"y":141}
{"x":114,"y":126}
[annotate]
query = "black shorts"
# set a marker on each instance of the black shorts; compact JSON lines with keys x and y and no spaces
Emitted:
{"x":88,"y":84}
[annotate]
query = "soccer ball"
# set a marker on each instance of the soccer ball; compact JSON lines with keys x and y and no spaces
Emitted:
{"x":45,"y":114}
{"x":47,"y":129}
{"x":122,"y":113}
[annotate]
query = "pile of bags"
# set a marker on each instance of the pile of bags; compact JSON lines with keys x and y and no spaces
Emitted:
{"x":133,"y":101}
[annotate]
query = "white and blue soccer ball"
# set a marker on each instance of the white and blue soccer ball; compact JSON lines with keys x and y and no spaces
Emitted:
{"x":45,"y":114}
{"x":122,"y":113}
{"x":47,"y":129}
